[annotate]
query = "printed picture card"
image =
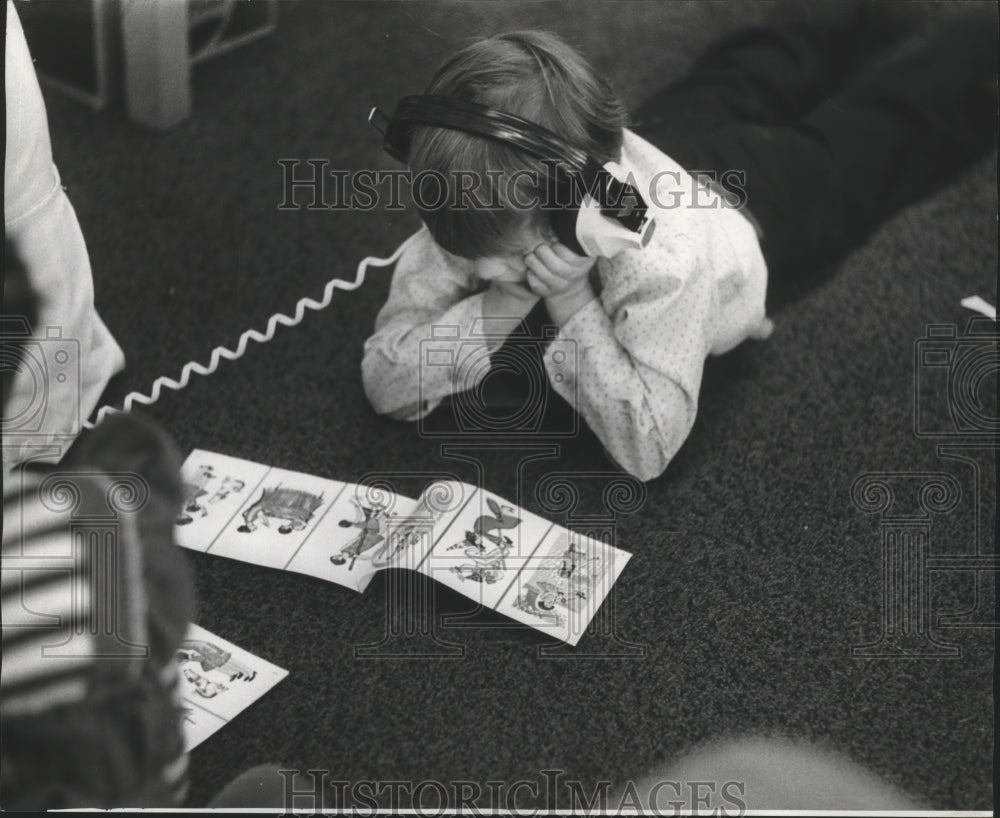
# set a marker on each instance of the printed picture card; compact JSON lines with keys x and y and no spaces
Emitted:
{"x":483,"y":546}
{"x":218,"y":681}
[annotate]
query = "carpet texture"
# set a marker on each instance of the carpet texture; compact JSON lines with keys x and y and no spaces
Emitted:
{"x":754,"y":572}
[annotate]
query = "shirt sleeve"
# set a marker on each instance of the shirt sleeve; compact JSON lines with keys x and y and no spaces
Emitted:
{"x":41,"y":227}
{"x":431,"y":339}
{"x":631,"y":363}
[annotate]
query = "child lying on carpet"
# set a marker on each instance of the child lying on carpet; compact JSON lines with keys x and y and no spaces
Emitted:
{"x":823,"y":123}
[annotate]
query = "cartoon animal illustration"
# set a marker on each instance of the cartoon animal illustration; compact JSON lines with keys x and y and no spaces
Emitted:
{"x":203,"y":686}
{"x":204,"y":665}
{"x":484,"y":527}
{"x":193,"y":492}
{"x":210,"y":657}
{"x":565,"y":580}
{"x":294,"y":506}
{"x":372,"y":524}
{"x":541,"y":599}
{"x":486,"y":567}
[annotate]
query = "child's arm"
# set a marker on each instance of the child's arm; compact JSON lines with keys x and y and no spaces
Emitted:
{"x":636,"y":374}
{"x":433,"y":327}
{"x":41,"y":226}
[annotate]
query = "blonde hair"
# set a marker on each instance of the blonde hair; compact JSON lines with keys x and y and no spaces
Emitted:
{"x":534,"y":75}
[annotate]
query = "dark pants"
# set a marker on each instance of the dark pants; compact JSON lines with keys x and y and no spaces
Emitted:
{"x":838,"y":113}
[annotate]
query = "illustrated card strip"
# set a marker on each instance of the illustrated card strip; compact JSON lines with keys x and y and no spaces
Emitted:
{"x":501,"y":556}
{"x":275,"y":520}
{"x":560,"y":588}
{"x":525,"y":567}
{"x":215,"y":488}
{"x":218,"y":681}
{"x":478,"y":554}
{"x":360,"y":534}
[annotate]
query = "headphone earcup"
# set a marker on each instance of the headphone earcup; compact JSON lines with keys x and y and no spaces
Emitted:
{"x":564,"y":225}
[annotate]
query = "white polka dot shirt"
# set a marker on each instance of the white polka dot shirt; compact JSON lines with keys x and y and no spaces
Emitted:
{"x":696,"y":289}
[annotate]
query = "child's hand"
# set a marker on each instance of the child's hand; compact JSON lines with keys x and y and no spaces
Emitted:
{"x":554,"y":270}
{"x":561,"y":277}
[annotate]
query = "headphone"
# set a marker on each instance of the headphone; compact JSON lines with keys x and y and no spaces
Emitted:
{"x":597,"y":211}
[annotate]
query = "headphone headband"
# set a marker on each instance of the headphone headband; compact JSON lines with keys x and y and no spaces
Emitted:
{"x":601,"y":195}
{"x":482,"y":121}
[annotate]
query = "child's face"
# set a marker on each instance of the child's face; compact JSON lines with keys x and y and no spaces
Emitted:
{"x":510,"y":267}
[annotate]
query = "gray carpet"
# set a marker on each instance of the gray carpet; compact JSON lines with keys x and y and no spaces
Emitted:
{"x":755,"y":573}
